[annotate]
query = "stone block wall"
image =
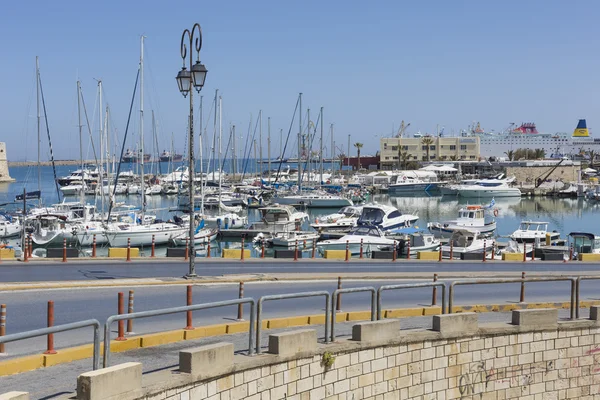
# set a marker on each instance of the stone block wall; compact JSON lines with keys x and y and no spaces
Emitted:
{"x":528,"y":175}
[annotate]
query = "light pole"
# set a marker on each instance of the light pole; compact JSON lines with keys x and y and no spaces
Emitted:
{"x":188,"y":80}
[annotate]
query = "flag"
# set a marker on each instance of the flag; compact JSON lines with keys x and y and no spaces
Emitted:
{"x":492,"y":203}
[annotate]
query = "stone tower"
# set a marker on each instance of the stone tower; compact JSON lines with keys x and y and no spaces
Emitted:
{"x":4,"y":175}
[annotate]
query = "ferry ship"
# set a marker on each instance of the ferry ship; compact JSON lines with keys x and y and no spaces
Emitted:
{"x":526,"y":136}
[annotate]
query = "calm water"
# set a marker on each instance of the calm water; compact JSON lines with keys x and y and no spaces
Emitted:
{"x":563,"y":215}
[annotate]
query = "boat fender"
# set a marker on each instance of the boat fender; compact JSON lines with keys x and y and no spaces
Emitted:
{"x":404,"y":178}
{"x":496,"y":212}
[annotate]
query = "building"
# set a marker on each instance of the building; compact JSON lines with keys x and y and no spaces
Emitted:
{"x":366,"y":162}
{"x":395,"y":151}
{"x":4,"y":175}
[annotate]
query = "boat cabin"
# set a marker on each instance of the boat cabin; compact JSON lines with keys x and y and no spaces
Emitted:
{"x":584,"y":243}
{"x":463,"y":239}
{"x":366,"y":230}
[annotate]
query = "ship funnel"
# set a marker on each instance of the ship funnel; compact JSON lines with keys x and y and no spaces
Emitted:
{"x":581,"y":130}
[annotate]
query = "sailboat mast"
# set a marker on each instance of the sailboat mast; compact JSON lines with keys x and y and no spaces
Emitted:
{"x":214,"y":135}
{"x":101,"y":134}
{"x":234,"y":166}
{"x":269,"y":146}
{"x":300,"y":146}
{"x":306,"y":143}
{"x":332,"y":154}
{"x":202,"y":180}
{"x":260,"y":155}
{"x":39,"y":165}
{"x":143,"y":189}
{"x":80,"y":141}
{"x":321,"y":149}
{"x":220,"y":147}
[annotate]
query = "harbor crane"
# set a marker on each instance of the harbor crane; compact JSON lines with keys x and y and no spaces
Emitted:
{"x":402,"y":129}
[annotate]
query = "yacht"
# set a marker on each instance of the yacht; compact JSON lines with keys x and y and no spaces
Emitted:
{"x":406,"y":183}
{"x":371,"y":237}
{"x":290,"y":239}
{"x":530,"y":231}
{"x":279,"y":218}
{"x":479,"y":191}
{"x":9,"y":226}
{"x":341,"y":221}
{"x":473,"y":217}
{"x":466,"y":241}
{"x":384,"y":217}
{"x":315,"y":200}
{"x":417,"y":239}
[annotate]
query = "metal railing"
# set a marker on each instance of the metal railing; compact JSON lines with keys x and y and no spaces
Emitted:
{"x":62,"y":328}
{"x":290,"y":296}
{"x":578,"y":290}
{"x":525,"y":280}
{"x":175,"y":310}
{"x":338,"y":292}
{"x":410,"y":286}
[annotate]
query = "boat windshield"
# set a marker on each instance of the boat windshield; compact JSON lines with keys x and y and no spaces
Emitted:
{"x":365,"y":231}
{"x":531,"y":226}
{"x":371,"y":216}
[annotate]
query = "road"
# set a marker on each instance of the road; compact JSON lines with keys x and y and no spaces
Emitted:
{"x":85,"y":270}
{"x":27,"y":309}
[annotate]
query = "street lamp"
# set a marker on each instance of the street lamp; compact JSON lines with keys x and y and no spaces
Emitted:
{"x":187,"y":80}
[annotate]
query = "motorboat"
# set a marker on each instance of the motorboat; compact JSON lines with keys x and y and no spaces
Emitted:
{"x":226,"y":221}
{"x":384,"y":217}
{"x":9,"y":226}
{"x":279,"y":218}
{"x":584,"y":243}
{"x":121,"y":234}
{"x":314,"y":200}
{"x":371,"y":238}
{"x":532,"y":231}
{"x":290,"y":239}
{"x":492,"y":187}
{"x":201,"y":236}
{"x":154,"y":190}
{"x":413,"y":182}
{"x":73,"y":189}
{"x":472,"y":216}
{"x":341,"y":221}
{"x":466,"y":241}
{"x":414,"y":239}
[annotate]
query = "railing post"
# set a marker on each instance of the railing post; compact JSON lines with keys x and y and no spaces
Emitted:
{"x":338,"y":302}
{"x":128,"y":249}
{"x":121,"y":310}
{"x":50,"y":338}
{"x":240,"y":314}
{"x":2,"y":325}
{"x":94,"y":246}
{"x":64,"y":250}
{"x":347,"y":250}
{"x":208,"y":250}
{"x":361,"y":248}
{"x":522,"y":296}
{"x":434,"y":291}
{"x":152,"y":255}
{"x":25,"y":252}
{"x":314,"y":248}
{"x":129,"y":311}
{"x":407,"y":250}
{"x":186,"y":254}
{"x":262,"y":249}
{"x":189,"y":324}
{"x":493,"y":249}
{"x":524,"y":252}
{"x":242,"y":251}
{"x":30,"y":248}
{"x":296,"y":250}
{"x":484,"y":249}
{"x":451,"y":250}
{"x":395,"y":250}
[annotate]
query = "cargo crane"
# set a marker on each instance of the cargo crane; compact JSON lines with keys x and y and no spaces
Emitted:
{"x":402,"y":129}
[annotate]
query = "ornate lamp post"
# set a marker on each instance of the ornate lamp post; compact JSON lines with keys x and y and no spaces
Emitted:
{"x":188,"y":80}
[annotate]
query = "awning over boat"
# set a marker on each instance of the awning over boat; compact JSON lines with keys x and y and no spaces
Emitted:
{"x":590,"y":236}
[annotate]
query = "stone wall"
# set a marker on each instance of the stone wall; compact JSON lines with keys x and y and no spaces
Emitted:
{"x":528,"y":175}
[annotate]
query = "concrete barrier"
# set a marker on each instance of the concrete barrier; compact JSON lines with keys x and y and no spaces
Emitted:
{"x":235,"y":254}
{"x":213,"y":358}
{"x":466,"y":323}
{"x":471,"y":256}
{"x":120,"y":382}
{"x":121,"y":252}
{"x":336,"y":255}
{"x":288,"y":253}
{"x":428,"y":255}
{"x":7,"y":253}
{"x":595,"y":313}
{"x":176,"y":252}
{"x":382,"y":255}
{"x":541,"y":318}
{"x":15,"y":396}
{"x":290,"y":343}
{"x":376,"y":331}
{"x":57,"y":252}
{"x":552,"y":257}
{"x":589,"y":257}
{"x":512,"y":256}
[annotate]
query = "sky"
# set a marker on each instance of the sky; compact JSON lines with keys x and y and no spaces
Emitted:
{"x":370,"y":65}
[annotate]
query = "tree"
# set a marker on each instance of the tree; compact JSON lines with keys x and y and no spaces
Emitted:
{"x":510,"y":154}
{"x":403,"y":158}
{"x":427,"y":141}
{"x":540,"y":154}
{"x":358,"y":147}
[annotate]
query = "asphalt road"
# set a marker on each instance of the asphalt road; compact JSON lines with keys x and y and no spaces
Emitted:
{"x":27,"y":309}
{"x":85,"y":270}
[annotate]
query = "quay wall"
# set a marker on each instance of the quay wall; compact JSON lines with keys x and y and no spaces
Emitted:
{"x":529,"y":175}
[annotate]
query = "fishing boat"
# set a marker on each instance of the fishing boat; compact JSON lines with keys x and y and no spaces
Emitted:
{"x":466,"y":241}
{"x":472,"y":216}
{"x":385,"y":217}
{"x":371,"y":238}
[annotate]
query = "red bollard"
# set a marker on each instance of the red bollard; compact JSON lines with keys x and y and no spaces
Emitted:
{"x":440,"y":255}
{"x":522,"y":296}
{"x":64,"y":250}
{"x":296,"y":251}
{"x":187,"y":247}
{"x":152,"y":249}
{"x":338,"y":303}
{"x":533,"y":252}
{"x":240,"y":316}
{"x":262,"y":249}
{"x":434,"y":292}
{"x":570,"y":253}
{"x":524,"y":252}
{"x":50,"y":344}
{"x":493,"y":250}
{"x":94,"y":246}
{"x":451,"y":250}
{"x":347,"y":251}
{"x":121,"y":310}
{"x":361,"y":248}
{"x":484,"y":250}
{"x":128,"y":249}
{"x":314,"y":248}
{"x":208,"y":250}
{"x":2,"y":325}
{"x":30,"y":248}
{"x":304,"y":248}
{"x":189,"y":324}
{"x":407,"y":251}
{"x":129,"y":311}
{"x":25,"y":252}
{"x":395,"y":250}
{"x":242,"y":251}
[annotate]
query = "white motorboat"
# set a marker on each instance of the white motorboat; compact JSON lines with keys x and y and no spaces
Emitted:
{"x":201,"y":236}
{"x":371,"y":237}
{"x":466,"y":241}
{"x":472,"y":217}
{"x":414,"y":182}
{"x":153,"y":190}
{"x":417,"y":239}
{"x":73,"y":189}
{"x":385,"y":217}
{"x":9,"y":227}
{"x":118,"y":234}
{"x":341,"y":221}
{"x":314,"y":200}
{"x":530,"y":231}
{"x":279,"y":218}
{"x":226,"y":221}
{"x":584,"y":243}
{"x":478,"y":191}
{"x":304,"y":240}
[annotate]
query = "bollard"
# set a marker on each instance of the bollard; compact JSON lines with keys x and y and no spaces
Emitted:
{"x":129,"y":311}
{"x":296,"y":251}
{"x":361,"y":248}
{"x":50,"y":344}
{"x":440,"y":255}
{"x":94,"y":246}
{"x":314,"y":248}
{"x":434,"y":291}
{"x":240,"y":316}
{"x":30,"y":248}
{"x":493,"y":249}
{"x":242,"y":251}
{"x":522,"y":297}
{"x":121,"y":310}
{"x":338,"y":303}
{"x":484,"y":250}
{"x":524,"y":252}
{"x":571,"y":253}
{"x":395,"y":250}
{"x":451,"y":250}
{"x":64,"y":250}
{"x":152,"y":249}
{"x":407,"y":251}
{"x":2,"y":325}
{"x":533,"y":252}
{"x":347,"y":250}
{"x":186,"y":255}
{"x":304,"y":247}
{"x":25,"y":256}
{"x":262,"y":249}
{"x":189,"y":324}
{"x":128,"y":249}
{"x":208,"y":250}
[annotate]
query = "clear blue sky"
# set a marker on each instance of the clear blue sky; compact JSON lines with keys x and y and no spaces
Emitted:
{"x":369,"y":64}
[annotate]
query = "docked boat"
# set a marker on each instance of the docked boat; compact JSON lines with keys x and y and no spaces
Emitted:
{"x":201,"y":236}
{"x":9,"y":226}
{"x":314,"y":200}
{"x":530,"y":231}
{"x":584,"y":243}
{"x":414,"y":239}
{"x":466,"y":241}
{"x":479,"y":191}
{"x":473,"y":217}
{"x":414,"y":182}
{"x":385,"y":217}
{"x":292,"y":238}
{"x":120,"y":234}
{"x":279,"y":218}
{"x":341,"y":221}
{"x":226,"y":221}
{"x":371,"y":237}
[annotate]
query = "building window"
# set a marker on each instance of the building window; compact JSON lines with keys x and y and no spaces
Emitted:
{"x":432,"y":148}
{"x":463,"y":146}
{"x":394,"y":148}
{"x":387,"y":158}
{"x":452,"y":147}
{"x":472,"y":157}
{"x":405,"y":148}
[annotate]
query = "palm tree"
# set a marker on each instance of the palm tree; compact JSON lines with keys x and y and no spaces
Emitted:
{"x":358,"y":147}
{"x":540,"y":153}
{"x":510,"y":154}
{"x":427,"y":141}
{"x":403,"y":158}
